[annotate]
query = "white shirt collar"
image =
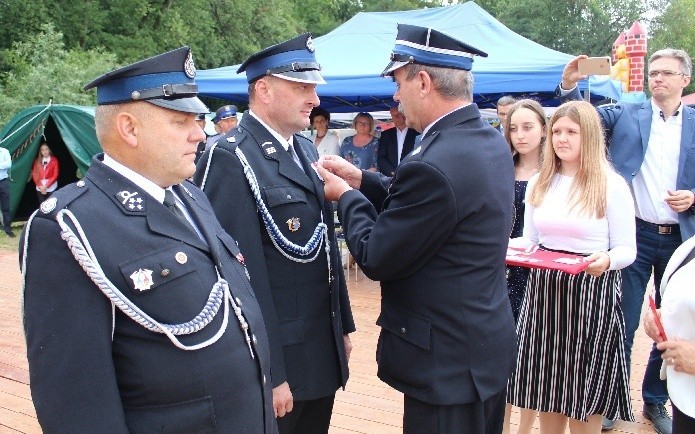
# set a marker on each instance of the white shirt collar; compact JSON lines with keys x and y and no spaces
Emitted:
{"x":283,"y":141}
{"x":424,"y":132}
{"x":657,"y":114}
{"x":150,"y":187}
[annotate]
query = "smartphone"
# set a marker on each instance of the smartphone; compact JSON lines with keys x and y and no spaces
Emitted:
{"x":595,"y":66}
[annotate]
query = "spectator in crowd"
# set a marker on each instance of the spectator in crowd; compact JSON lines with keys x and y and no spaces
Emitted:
{"x":200,"y":120}
{"x":225,"y":119}
{"x":395,"y":143}
{"x":326,"y":141}
{"x":571,"y":361}
{"x":45,"y":172}
{"x":266,"y":193}
{"x":525,"y":132}
{"x":361,"y":149}
{"x":677,"y":315}
{"x":436,"y":236}
{"x":503,"y":106}
{"x":652,"y":145}
{"x":138,"y":313}
{"x":5,"y":166}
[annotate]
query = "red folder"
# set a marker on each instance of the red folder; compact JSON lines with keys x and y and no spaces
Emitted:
{"x":537,"y":258}
{"x":657,"y":318}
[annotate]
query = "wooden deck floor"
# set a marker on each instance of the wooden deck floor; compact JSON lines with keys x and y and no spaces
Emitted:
{"x":366,"y":406}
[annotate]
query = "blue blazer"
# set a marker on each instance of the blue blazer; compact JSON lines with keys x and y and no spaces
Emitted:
{"x":627,"y":133}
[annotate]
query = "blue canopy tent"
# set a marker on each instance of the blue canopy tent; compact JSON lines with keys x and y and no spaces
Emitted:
{"x":353,"y":55}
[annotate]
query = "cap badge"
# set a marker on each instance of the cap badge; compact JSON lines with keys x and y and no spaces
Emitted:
{"x":142,"y":279}
{"x":310,"y":44}
{"x":129,"y":200}
{"x":189,"y":66}
{"x":48,"y":205}
{"x":293,"y":224}
{"x":181,"y":258}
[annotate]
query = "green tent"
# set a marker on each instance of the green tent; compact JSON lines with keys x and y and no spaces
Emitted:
{"x":70,"y":133}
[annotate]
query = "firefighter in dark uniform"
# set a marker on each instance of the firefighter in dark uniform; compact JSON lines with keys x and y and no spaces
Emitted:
{"x":138,"y":311}
{"x":267,"y":195}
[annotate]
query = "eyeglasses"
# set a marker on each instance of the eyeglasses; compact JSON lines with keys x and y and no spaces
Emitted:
{"x":665,"y":74}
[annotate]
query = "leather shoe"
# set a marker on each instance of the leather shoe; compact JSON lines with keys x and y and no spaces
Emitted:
{"x":10,"y":234}
{"x":607,"y":424}
{"x":659,"y":416}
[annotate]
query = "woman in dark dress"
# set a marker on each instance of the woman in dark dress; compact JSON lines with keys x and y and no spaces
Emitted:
{"x":525,"y":131}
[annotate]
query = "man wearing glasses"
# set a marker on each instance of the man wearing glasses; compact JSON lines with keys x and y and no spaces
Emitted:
{"x":652,"y":145}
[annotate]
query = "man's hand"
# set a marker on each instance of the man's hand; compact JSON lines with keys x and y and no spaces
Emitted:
{"x":679,"y":354}
{"x":333,"y":186}
{"x":348,"y":346}
{"x":600,"y":262}
{"x":571,"y":75}
{"x":344,"y":169}
{"x":680,"y":200}
{"x":649,"y":325}
{"x":282,"y":400}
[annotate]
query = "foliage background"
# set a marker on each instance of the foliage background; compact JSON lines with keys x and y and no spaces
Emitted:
{"x":50,"y":48}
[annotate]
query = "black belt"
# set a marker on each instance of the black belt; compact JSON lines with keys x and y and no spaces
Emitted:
{"x":661,"y":229}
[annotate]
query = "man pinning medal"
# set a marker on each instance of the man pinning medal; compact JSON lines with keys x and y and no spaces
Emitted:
{"x":262,"y":185}
{"x":138,"y":312}
{"x":436,"y":236}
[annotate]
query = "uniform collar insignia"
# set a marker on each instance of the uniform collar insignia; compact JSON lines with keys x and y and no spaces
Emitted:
{"x":231,"y":139}
{"x":268,"y":148}
{"x":416,"y":150}
{"x":131,"y":201}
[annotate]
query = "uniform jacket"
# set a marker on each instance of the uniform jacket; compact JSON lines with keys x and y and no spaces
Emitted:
{"x":305,"y":314}
{"x":49,"y":173}
{"x":628,"y":126}
{"x":387,"y":157}
{"x":96,"y":370}
{"x":438,"y":247}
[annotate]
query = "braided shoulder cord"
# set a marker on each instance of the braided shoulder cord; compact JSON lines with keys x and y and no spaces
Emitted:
{"x":281,"y":243}
{"x":219,"y":294}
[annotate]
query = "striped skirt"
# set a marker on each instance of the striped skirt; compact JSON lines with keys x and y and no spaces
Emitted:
{"x":571,"y":357}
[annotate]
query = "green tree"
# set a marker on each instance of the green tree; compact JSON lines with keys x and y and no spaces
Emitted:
{"x":675,"y":29}
{"x":41,"y":69}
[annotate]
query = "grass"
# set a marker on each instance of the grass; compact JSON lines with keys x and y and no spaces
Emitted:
{"x":7,"y":243}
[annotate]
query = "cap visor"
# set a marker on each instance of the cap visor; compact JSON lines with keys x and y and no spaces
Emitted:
{"x":394,"y":65}
{"x":313,"y":76}
{"x":188,"y":105}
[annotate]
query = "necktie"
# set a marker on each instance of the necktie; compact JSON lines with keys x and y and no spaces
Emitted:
{"x":294,"y":155}
{"x":170,"y":202}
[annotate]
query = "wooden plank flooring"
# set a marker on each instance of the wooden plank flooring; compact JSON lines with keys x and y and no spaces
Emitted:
{"x":366,"y":405}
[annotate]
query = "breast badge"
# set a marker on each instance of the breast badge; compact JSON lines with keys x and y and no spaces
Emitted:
{"x":48,"y":205}
{"x":142,"y":279}
{"x":293,"y":224}
{"x":181,"y":258}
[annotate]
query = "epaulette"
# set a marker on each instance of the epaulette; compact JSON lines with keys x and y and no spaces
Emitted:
{"x":61,"y":198}
{"x":232,"y":139}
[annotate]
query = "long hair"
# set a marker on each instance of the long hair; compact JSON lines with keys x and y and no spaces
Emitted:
{"x":535,"y":107}
{"x":588,"y":191}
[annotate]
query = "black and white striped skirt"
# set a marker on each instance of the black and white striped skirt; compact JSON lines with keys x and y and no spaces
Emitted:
{"x":571,"y":356}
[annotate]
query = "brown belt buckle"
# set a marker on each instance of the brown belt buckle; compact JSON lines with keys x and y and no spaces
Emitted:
{"x":665,"y":230}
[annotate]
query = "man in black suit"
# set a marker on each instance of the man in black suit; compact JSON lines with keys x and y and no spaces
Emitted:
{"x":267,"y":195}
{"x":436,"y":236}
{"x":395,"y":143}
{"x":138,"y":312}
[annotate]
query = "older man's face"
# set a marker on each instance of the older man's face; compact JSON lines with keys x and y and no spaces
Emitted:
{"x":406,"y":93}
{"x":502,"y":111}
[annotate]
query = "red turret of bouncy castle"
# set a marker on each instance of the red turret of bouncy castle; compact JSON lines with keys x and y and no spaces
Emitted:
{"x":629,"y":51}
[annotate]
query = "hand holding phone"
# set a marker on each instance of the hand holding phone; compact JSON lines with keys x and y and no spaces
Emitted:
{"x":594,"y":66}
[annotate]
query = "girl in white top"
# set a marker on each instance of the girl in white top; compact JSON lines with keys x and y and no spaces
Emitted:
{"x":571,"y":362}
{"x":678,"y":317}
